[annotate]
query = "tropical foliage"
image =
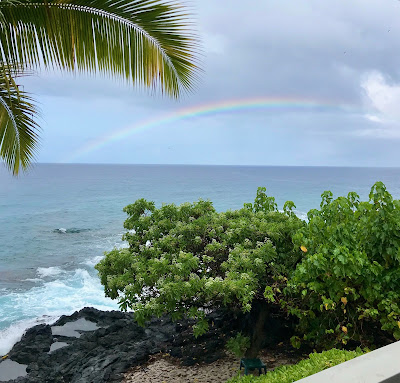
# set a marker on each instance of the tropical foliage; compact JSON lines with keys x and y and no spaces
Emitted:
{"x":18,"y":126}
{"x":291,"y":373}
{"x":335,"y":278}
{"x":347,"y":288}
{"x":146,"y":42}
{"x":184,"y":260}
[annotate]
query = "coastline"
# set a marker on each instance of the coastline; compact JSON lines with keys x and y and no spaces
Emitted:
{"x":100,"y":346}
{"x":109,"y":347}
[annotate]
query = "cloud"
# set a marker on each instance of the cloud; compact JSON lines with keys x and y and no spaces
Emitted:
{"x":374,"y":118}
{"x":382,"y":96}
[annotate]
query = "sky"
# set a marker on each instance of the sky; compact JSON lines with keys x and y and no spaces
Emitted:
{"x":341,"y":57}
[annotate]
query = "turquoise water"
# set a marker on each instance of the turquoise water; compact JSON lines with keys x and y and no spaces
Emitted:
{"x":57,"y":220}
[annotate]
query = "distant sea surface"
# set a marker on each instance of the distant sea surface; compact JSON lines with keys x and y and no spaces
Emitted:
{"x":56,"y":221}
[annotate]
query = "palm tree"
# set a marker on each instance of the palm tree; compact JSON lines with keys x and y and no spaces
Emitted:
{"x":146,"y":42}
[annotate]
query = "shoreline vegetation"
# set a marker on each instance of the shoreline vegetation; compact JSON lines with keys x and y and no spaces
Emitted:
{"x":333,"y":280}
{"x":250,"y":282}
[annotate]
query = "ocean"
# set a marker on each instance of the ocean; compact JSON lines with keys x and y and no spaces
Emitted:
{"x":57,"y":220}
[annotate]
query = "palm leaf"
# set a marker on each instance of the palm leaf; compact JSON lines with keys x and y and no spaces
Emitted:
{"x":145,"y":41}
{"x":18,"y":128}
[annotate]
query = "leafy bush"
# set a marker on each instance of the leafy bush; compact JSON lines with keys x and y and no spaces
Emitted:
{"x":347,"y":287}
{"x":338,"y":273}
{"x":291,"y":373}
{"x":184,"y":260}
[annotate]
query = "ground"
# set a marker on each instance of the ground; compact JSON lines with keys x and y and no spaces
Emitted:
{"x":162,"y":368}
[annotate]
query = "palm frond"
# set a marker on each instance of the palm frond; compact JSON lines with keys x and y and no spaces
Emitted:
{"x":148,"y":42}
{"x":18,"y":126}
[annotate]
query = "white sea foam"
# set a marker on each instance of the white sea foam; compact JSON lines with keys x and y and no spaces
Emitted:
{"x":49,"y":271}
{"x":93,"y":261}
{"x":113,"y":242}
{"x":73,"y":291}
{"x":13,"y":334}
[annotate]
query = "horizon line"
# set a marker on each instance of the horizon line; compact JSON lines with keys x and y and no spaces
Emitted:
{"x":211,"y":165}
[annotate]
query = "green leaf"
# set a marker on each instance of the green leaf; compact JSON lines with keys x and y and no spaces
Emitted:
{"x":18,"y":125}
{"x":148,"y":42}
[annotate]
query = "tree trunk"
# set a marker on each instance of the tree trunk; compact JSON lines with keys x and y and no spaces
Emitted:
{"x":260,"y":314}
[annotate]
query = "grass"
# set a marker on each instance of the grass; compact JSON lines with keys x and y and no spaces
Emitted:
{"x":291,"y":373}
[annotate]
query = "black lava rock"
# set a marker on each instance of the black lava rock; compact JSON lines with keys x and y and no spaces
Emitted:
{"x":118,"y":344}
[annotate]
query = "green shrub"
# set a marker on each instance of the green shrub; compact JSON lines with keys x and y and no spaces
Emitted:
{"x":238,"y":344}
{"x":291,"y":373}
{"x":185,"y":260}
{"x":338,"y":273}
{"x":347,"y":287}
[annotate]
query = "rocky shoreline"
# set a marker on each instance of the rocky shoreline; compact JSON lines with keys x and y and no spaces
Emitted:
{"x":96,"y":346}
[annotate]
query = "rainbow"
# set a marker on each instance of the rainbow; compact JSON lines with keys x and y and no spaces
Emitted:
{"x":226,"y":107}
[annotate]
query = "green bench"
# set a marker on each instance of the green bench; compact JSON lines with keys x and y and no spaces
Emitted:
{"x":252,"y":364}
